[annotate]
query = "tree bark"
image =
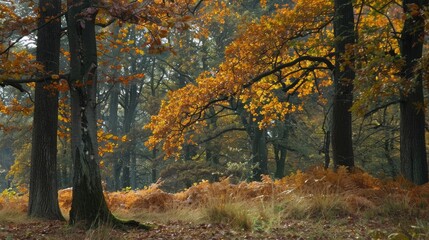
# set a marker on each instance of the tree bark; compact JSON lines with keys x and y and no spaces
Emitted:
{"x":113,"y":120}
{"x":88,"y":203}
{"x":342,"y":144}
{"x":130,"y":107}
{"x":280,"y":151}
{"x":414,"y":165}
{"x":43,"y":199}
{"x":259,"y":152}
{"x":113,"y":125}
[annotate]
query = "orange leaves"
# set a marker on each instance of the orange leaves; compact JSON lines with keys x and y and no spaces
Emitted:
{"x":128,"y":79}
{"x":17,"y":64}
{"x":14,"y":107}
{"x":261,"y":47}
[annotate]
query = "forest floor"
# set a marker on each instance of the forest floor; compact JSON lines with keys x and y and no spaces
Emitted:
{"x":22,"y":227}
{"x":318,"y":204}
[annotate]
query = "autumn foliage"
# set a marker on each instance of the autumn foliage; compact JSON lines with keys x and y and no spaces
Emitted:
{"x":359,"y":192}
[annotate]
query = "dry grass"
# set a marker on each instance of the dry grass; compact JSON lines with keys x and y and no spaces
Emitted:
{"x":313,"y":197}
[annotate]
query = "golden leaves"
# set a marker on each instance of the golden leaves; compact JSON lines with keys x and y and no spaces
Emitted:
{"x":260,"y":47}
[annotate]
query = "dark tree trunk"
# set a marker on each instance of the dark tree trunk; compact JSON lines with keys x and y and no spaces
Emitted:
{"x":414,"y":165}
{"x":113,"y":125}
{"x":280,"y":155}
{"x":212,"y":148}
{"x":133,"y":170}
{"x":281,"y":135}
{"x":344,"y":75}
{"x":88,"y":203}
{"x":258,"y":143}
{"x":43,"y":199}
{"x":130,"y":107}
{"x":259,"y":152}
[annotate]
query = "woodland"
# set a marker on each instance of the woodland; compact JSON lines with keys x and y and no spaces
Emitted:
{"x":218,"y":119}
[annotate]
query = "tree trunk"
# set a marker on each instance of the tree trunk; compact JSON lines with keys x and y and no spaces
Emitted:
{"x":88,"y":203}
{"x":43,"y":199}
{"x":133,"y":170}
{"x":212,"y":148}
{"x":280,"y":153}
{"x":279,"y":145}
{"x":130,"y":107}
{"x":342,"y":144}
{"x":113,"y":125}
{"x":259,"y":152}
{"x":414,"y":165}
{"x":113,"y":118}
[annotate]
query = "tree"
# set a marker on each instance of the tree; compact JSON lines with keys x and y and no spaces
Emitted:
{"x":342,"y":144}
{"x":43,"y":199}
{"x":88,"y":204}
{"x":265,"y":65}
{"x":414,"y":165}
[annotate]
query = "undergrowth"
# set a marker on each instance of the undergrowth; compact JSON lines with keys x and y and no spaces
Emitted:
{"x":318,"y":194}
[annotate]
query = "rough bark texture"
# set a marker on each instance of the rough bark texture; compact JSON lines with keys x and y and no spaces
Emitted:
{"x":43,"y":199}
{"x":342,"y":144}
{"x":88,"y":204}
{"x":414,"y":165}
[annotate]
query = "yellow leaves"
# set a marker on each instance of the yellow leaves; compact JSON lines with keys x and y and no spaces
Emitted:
{"x":15,"y":107}
{"x":139,"y":51}
{"x":17,"y":65}
{"x":260,"y":47}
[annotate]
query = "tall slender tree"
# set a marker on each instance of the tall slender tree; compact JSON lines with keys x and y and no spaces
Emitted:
{"x":344,"y":74}
{"x":414,"y":165}
{"x":43,"y":200}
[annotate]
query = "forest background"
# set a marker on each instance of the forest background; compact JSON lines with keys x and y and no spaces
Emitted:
{"x":187,"y":91}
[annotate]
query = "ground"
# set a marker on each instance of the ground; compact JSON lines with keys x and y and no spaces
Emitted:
{"x":318,"y":204}
{"x":345,"y":228}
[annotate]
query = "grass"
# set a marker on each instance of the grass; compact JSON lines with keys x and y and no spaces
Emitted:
{"x":305,"y":205}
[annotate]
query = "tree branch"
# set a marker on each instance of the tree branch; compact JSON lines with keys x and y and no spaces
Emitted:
{"x":32,"y":31}
{"x":380,"y":107}
{"x":324,"y":60}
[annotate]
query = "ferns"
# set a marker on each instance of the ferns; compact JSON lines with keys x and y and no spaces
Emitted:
{"x":317,"y":191}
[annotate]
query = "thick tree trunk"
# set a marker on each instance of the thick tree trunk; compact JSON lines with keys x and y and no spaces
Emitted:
{"x":342,"y":144}
{"x":43,"y":199}
{"x":414,"y":165}
{"x":88,"y":204}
